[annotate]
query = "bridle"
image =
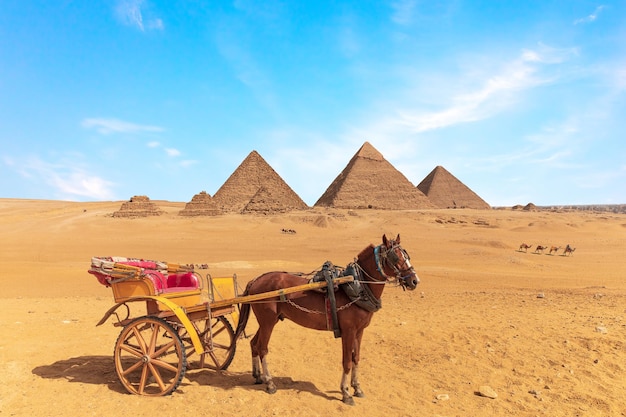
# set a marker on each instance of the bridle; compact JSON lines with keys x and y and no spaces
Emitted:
{"x":399,"y":263}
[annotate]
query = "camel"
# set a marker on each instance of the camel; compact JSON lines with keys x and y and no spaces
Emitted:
{"x":524,"y":247}
{"x":554,"y":249}
{"x":540,"y":249}
{"x":568,"y":250}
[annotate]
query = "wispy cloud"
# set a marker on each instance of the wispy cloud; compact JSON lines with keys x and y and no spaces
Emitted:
{"x":172,"y":152}
{"x":592,"y":17}
{"x":497,"y":92}
{"x":403,"y":11}
{"x":131,"y":13}
{"x":108,"y":126}
{"x":68,"y":179}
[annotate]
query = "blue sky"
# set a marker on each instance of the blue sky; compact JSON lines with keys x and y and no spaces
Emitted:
{"x":523,"y":101}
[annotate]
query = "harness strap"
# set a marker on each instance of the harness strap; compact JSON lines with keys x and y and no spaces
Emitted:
{"x":332,"y":302}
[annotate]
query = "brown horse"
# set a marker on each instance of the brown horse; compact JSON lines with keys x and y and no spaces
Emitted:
{"x":373,"y":267}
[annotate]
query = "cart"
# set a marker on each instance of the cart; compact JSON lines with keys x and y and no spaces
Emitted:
{"x":186,"y":313}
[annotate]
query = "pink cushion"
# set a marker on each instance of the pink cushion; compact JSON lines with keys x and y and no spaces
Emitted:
{"x":184,"y":279}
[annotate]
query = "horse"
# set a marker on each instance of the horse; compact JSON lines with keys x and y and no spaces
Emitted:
{"x":373,"y":267}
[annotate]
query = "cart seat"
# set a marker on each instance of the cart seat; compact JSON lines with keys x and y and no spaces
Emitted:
{"x":181,"y":281}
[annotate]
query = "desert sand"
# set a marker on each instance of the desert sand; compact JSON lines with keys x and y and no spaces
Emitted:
{"x":546,"y":332}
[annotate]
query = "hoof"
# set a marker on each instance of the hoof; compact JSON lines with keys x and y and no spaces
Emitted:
{"x":271,"y":389}
{"x":348,"y":400}
{"x":359,"y":394}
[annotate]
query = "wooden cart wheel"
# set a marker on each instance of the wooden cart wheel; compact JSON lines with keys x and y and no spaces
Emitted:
{"x":218,"y":338}
{"x":149,"y":357}
{"x":220,"y":344}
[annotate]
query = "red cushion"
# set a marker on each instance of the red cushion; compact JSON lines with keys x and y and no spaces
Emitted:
{"x":184,"y":279}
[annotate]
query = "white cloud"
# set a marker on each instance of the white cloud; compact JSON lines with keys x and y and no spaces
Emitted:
{"x":187,"y":163}
{"x":68,"y":179}
{"x":130,"y":13}
{"x":591,"y":18}
{"x":108,"y":126}
{"x":498,"y":91}
{"x":172,"y":152}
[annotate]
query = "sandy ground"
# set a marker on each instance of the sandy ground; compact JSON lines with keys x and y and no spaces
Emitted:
{"x":546,"y":332}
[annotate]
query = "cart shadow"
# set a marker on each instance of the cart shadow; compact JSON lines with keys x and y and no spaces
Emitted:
{"x":228,"y":380}
{"x":97,"y":370}
{"x":100,"y":370}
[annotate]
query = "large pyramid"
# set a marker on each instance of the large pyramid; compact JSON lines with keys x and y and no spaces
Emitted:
{"x":446,"y":191}
{"x":370,"y":181}
{"x":200,"y":205}
{"x":249,"y":177}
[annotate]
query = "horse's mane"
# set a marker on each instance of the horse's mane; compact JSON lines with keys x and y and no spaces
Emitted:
{"x":370,"y":247}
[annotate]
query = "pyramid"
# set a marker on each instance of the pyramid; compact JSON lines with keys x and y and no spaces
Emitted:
{"x":247,"y":180}
{"x":265,"y":201}
{"x":446,"y":191}
{"x":200,"y":205}
{"x":138,"y":206}
{"x":370,"y":181}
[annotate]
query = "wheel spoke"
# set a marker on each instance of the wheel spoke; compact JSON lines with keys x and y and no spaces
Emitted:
{"x":153,"y":340}
{"x":132,"y":368}
{"x":164,"y":365}
{"x":132,"y":350}
{"x":143,"y":380}
{"x":162,"y":350}
{"x":140,"y":340}
{"x":157,"y":376}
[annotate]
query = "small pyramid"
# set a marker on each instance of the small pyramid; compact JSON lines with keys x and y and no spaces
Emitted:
{"x":251,"y":175}
{"x":446,"y":191}
{"x":138,"y":206}
{"x":370,"y":181}
{"x":200,"y":205}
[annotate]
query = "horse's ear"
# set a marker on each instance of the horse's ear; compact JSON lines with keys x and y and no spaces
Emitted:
{"x":398,"y":239}
{"x":385,"y":239}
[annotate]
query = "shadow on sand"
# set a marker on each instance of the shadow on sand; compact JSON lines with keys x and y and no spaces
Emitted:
{"x":100,"y":370}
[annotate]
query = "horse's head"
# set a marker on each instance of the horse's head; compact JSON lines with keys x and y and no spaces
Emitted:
{"x":396,"y":258}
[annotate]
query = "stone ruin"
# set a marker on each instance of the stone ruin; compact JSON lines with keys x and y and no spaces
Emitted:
{"x":138,"y":206}
{"x":201,"y":204}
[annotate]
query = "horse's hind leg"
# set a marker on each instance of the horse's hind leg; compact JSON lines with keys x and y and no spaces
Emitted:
{"x":256,"y":361}
{"x":356,"y":355}
{"x":348,"y":340}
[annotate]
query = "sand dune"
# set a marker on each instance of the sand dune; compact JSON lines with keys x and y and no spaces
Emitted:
{"x":546,"y":332}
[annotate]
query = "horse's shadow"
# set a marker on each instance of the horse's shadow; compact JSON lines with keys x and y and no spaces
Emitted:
{"x":100,"y":370}
{"x":228,"y":380}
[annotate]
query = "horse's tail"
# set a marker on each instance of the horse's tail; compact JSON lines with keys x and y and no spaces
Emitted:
{"x":244,"y":315}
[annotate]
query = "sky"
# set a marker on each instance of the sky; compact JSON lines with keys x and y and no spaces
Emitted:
{"x":523,"y":101}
